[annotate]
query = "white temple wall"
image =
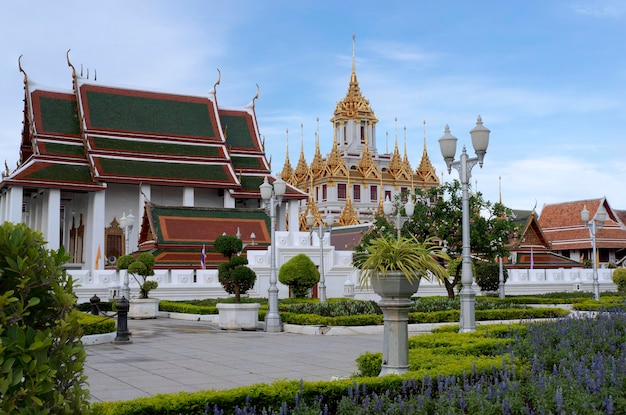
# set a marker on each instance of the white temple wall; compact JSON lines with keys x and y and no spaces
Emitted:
{"x":341,"y":278}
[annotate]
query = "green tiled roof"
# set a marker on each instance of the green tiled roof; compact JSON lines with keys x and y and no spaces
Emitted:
{"x":149,"y":115}
{"x":159,"y":169}
{"x":251,"y":182}
{"x":102,"y":143}
{"x":61,"y":149}
{"x":59,"y":116}
{"x":246,"y":162}
{"x":237,"y":132}
{"x":62,"y":173}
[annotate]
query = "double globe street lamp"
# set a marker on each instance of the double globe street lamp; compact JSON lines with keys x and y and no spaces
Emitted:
{"x":409,"y":209}
{"x":127,"y":223}
{"x":273,"y":197}
{"x":595,"y":223}
{"x":310,"y":220}
{"x":480,"y":141}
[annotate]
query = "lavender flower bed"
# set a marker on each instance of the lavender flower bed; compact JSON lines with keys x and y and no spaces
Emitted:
{"x":569,"y":366}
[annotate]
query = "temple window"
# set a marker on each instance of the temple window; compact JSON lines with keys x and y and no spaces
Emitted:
{"x":341,"y":191}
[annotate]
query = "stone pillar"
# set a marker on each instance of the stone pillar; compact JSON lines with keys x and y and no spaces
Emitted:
{"x":396,"y":335}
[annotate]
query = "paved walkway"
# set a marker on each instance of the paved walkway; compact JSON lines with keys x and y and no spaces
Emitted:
{"x":169,"y":356}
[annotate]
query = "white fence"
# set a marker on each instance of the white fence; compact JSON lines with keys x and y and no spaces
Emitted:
{"x":186,"y":284}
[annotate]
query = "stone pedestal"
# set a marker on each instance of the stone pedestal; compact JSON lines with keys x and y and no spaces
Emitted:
{"x":395,"y":292}
{"x":238,"y":316}
{"x":143,"y":308}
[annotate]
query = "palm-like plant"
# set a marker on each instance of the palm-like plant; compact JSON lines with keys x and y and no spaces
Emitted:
{"x":414,"y":258}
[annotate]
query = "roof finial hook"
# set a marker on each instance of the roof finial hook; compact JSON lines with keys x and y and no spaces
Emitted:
{"x":258,"y":91}
{"x":219,"y":79}
{"x":67,"y":56}
{"x":19,"y":65}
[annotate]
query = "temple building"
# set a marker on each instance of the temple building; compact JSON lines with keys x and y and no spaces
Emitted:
{"x":95,"y":160}
{"x":354,"y":179}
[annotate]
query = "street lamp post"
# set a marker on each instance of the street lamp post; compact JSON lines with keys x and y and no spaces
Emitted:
{"x":480,"y":141}
{"x":273,"y":196}
{"x":597,"y":222}
{"x":310,"y":219}
{"x":127,"y":223}
{"x":409,"y":209}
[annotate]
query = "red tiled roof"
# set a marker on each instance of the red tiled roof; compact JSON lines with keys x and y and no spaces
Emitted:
{"x":564,"y":228}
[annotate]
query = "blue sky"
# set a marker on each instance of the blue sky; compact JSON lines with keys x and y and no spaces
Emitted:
{"x":547,"y":77}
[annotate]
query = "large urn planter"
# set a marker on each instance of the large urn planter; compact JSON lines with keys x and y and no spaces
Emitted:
{"x":393,"y":267}
{"x":238,"y":316}
{"x":395,"y":291}
{"x":143,"y":308}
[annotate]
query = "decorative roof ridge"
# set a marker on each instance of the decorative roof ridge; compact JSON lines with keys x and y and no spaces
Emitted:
{"x":82,"y":82}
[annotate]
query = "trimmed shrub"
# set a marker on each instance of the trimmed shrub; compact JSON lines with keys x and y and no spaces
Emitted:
{"x":300,"y":274}
{"x":140,"y":268}
{"x":619,"y":278}
{"x":91,"y":324}
{"x":41,"y":355}
{"x":235,"y":275}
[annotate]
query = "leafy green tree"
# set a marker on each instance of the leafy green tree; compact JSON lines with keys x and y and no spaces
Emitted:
{"x":41,"y":355}
{"x":487,"y":275}
{"x":234,"y":275}
{"x":140,"y":268}
{"x":300,"y":274}
{"x":438,"y":214}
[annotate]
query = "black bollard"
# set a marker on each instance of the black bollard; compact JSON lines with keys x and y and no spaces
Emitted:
{"x":123,"y":335}
{"x":95,"y":309}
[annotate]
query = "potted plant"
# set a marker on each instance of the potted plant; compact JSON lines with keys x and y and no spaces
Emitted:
{"x":394,"y":267}
{"x":399,"y":262}
{"x":140,"y":269}
{"x":236,"y":278}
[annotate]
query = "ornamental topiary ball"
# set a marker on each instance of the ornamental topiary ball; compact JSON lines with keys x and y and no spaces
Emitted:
{"x":300,"y":274}
{"x":619,"y":278}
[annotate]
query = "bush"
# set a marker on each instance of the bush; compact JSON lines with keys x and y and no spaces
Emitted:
{"x":140,"y":268}
{"x":487,"y":275}
{"x":300,"y":274}
{"x":91,"y":324}
{"x":619,"y":278}
{"x":235,"y":275}
{"x":41,"y":355}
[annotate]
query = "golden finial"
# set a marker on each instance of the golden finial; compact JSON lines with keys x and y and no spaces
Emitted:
{"x":19,"y":65}
{"x":67,"y":55}
{"x":258,"y":91}
{"x":219,"y":79}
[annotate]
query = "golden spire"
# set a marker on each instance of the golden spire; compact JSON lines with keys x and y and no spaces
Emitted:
{"x":335,"y":164}
{"x":317,"y":165}
{"x":407,"y":164}
{"x":301,"y":174}
{"x":395,"y":164}
{"x":348,"y":216}
{"x":367,"y":166}
{"x":379,"y":210}
{"x":287,"y":173}
{"x":425,"y":171}
{"x":354,"y":105}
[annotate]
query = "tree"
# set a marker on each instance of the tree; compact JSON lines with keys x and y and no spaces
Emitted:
{"x":438,"y":214}
{"x":300,"y":274}
{"x":140,"y":268}
{"x":234,"y":275}
{"x":41,"y":354}
{"x":487,"y":275}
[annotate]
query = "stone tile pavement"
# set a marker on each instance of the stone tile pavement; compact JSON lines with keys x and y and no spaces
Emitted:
{"x":168,"y":356}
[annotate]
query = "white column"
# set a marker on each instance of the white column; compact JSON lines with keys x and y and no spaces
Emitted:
{"x":52,"y":218}
{"x":15,"y":197}
{"x":188,"y":197}
{"x":229,"y":202}
{"x":94,"y":230}
{"x":145,"y":191}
